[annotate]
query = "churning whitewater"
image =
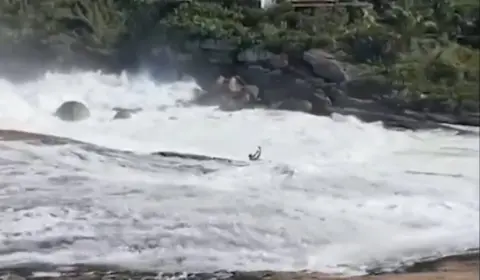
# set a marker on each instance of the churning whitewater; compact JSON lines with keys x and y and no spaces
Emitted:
{"x":333,"y":195}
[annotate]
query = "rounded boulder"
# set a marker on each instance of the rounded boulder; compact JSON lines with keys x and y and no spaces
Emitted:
{"x":72,"y":111}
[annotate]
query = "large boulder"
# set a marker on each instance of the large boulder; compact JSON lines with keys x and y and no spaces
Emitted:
{"x":230,"y":93}
{"x":321,"y":104}
{"x":72,"y":111}
{"x":254,"y":55}
{"x":325,"y":66}
{"x":375,"y":88}
{"x":278,"y":61}
{"x":253,"y":91}
{"x":261,"y":77}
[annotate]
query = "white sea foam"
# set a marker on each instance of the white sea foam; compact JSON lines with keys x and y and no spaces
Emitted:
{"x":329,"y":193}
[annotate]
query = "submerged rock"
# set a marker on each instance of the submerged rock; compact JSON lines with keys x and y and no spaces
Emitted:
{"x":124,"y":113}
{"x":72,"y":111}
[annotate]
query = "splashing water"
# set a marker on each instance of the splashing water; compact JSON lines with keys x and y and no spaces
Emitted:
{"x":329,"y":193}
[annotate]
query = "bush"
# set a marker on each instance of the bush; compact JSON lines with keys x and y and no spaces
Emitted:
{"x":418,"y":46}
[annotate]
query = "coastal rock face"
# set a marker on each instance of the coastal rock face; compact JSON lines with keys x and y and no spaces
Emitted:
{"x":296,"y":105}
{"x":229,"y":94}
{"x":325,"y":66}
{"x":72,"y":111}
{"x":321,"y":104}
{"x":315,"y":83}
{"x":363,"y":64}
{"x":368,"y":88}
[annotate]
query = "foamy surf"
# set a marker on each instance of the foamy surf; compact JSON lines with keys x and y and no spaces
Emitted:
{"x":330,"y":194}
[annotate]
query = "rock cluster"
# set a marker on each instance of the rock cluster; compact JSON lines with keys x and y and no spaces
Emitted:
{"x":73,"y":111}
{"x":315,"y":82}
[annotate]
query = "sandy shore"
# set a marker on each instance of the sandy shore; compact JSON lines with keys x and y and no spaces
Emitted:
{"x":459,"y":267}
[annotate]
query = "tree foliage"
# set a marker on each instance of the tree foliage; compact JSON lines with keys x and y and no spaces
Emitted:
{"x":428,"y":46}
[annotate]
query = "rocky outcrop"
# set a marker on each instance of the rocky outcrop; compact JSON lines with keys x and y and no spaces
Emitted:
{"x":316,"y":82}
{"x":44,"y":139}
{"x":198,"y":157}
{"x":72,"y":111}
{"x":230,"y":94}
{"x":295,"y":105}
{"x":325,"y":66}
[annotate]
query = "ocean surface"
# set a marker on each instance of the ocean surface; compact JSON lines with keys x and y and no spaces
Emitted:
{"x":330,"y":194}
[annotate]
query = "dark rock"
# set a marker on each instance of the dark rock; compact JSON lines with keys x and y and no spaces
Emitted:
{"x":368,"y":88}
{"x":207,"y":99}
{"x":122,"y":115}
{"x":469,"y":106}
{"x":395,"y":121}
{"x":217,"y":45}
{"x":302,"y":89}
{"x":370,"y":105}
{"x":230,"y":104}
{"x":334,"y":93}
{"x":272,"y":96}
{"x":317,"y":82}
{"x":273,"y":86}
{"x":219,"y":58}
{"x":278,"y":61}
{"x":288,"y":87}
{"x":253,"y":91}
{"x":131,"y":110}
{"x":195,"y":157}
{"x":321,"y":104}
{"x":255,"y":75}
{"x":295,"y":105}
{"x":254,"y":55}
{"x":206,"y":76}
{"x":125,"y":113}
{"x":465,"y":119}
{"x":325,"y":66}
{"x":234,"y":85}
{"x":215,"y":94}
{"x":72,"y":111}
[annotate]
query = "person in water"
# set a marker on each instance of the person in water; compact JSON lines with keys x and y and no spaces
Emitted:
{"x":256,"y":155}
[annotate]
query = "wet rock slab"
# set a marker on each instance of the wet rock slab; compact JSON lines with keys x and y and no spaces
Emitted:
{"x":459,"y":267}
{"x":43,"y":139}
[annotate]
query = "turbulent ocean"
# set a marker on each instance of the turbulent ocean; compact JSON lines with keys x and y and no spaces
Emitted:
{"x":329,"y":194}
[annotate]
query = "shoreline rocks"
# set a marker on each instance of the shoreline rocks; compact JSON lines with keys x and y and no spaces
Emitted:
{"x":44,"y":139}
{"x":318,"y":83}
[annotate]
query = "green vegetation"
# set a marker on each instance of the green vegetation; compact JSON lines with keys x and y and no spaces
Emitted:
{"x":430,"y":47}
